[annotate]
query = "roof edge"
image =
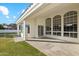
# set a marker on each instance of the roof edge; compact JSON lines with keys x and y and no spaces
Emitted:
{"x":29,"y":11}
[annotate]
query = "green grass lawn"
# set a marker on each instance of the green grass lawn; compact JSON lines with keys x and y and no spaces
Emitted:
{"x":10,"y":48}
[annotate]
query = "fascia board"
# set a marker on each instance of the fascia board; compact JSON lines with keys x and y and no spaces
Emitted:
{"x":29,"y":11}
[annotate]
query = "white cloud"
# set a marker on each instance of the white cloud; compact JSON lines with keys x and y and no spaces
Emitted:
{"x":14,"y":17}
{"x":7,"y":17}
{"x":4,"y":11}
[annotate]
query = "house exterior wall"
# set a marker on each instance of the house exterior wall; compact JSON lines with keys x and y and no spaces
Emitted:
{"x":21,"y":29}
{"x":39,"y":19}
{"x":34,"y":26}
{"x":61,"y":11}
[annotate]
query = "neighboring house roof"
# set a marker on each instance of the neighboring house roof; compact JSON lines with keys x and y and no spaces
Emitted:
{"x":29,"y":11}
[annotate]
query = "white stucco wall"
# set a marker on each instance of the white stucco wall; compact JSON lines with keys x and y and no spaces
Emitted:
{"x":31,"y":23}
{"x":50,"y":12}
{"x":61,"y":11}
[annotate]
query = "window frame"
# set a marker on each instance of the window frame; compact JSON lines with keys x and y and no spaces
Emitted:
{"x":48,"y":25}
{"x":57,"y":30}
{"x":73,"y":30}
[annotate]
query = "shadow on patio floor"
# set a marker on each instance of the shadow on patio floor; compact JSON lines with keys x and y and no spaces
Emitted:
{"x":53,"y":41}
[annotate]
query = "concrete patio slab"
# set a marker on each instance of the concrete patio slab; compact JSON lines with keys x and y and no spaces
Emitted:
{"x":52,"y":47}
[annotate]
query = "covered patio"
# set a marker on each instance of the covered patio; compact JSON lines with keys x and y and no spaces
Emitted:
{"x":58,"y":21}
{"x":55,"y":47}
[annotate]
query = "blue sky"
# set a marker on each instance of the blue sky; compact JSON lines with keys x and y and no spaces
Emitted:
{"x":9,"y":12}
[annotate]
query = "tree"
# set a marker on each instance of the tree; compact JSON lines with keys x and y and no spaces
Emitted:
{"x":1,"y":27}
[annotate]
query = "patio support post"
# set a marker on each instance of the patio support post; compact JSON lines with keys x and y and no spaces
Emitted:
{"x":78,"y":26}
{"x":18,"y":30}
{"x":62,"y":26}
{"x":24,"y":30}
{"x":44,"y":29}
{"x":51,"y":26}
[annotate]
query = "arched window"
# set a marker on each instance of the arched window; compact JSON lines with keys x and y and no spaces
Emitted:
{"x":57,"y":25}
{"x":70,"y":24}
{"x":48,"y":26}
